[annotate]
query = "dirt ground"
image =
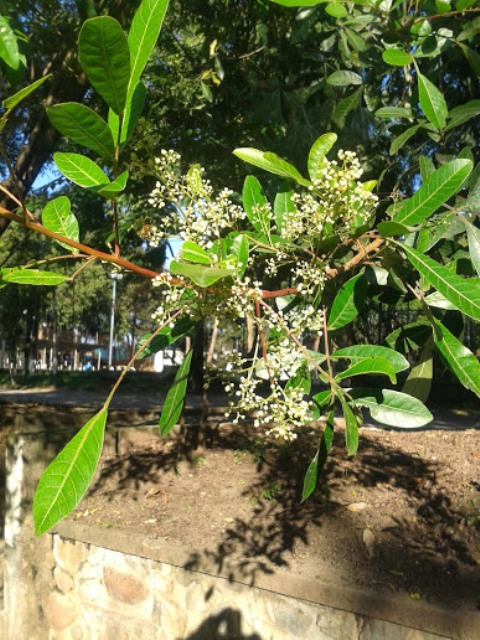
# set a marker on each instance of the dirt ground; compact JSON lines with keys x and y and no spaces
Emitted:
{"x":402,"y":516}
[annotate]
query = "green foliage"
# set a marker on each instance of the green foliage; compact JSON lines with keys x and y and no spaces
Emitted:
{"x":300,"y":258}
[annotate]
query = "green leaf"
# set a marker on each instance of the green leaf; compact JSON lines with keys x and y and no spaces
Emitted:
{"x":9,"y":52}
{"x":390,"y":229}
{"x":193,"y":252}
{"x":58,"y":217}
{"x":283,"y":204}
{"x":432,"y":102}
{"x":132,"y":114}
{"x":80,"y":170}
{"x":336,"y":10}
{"x":346,"y":105}
{"x":345,"y":306}
{"x":270,"y":162}
{"x":116,"y":187}
{"x":318,"y":462}
{"x":175,"y":399}
{"x":240,"y":249}
{"x":105,"y":57}
{"x":361,"y":351}
{"x":35,"y":277}
{"x":397,"y":57}
{"x":301,"y":379}
{"x":473,"y":58}
{"x":12,"y":101}
{"x":404,"y":137}
{"x":369,"y":366}
{"x":351,"y":427}
{"x":440,"y":186}
{"x":344,"y":78}
{"x":392,"y":408}
{"x":167,"y":336}
{"x":253,"y":203}
{"x":426,"y":167}
{"x":316,"y":156}
{"x":473,"y":235}
{"x":464,"y":294}
{"x":83,"y":126}
{"x":458,"y":358}
{"x":394,"y":112}
{"x":419,"y":381}
{"x":142,"y":37}
{"x":409,"y":337}
{"x":463,"y":113}
{"x":66,"y":479}
{"x":202,"y":276}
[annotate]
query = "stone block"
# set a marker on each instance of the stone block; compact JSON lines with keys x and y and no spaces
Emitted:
{"x":197,"y":596}
{"x":334,"y":624}
{"x":63,"y":580}
{"x":61,"y":610}
{"x":173,"y":619}
{"x":374,"y":629}
{"x":124,"y":586}
{"x":68,"y":554}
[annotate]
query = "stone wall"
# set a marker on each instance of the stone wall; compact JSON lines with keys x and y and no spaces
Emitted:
{"x":84,"y":582}
{"x":104,"y":594}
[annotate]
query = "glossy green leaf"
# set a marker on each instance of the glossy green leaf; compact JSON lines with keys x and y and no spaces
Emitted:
{"x":253,"y":203}
{"x":116,"y":187}
{"x":458,"y":358}
{"x":394,"y":112}
{"x":390,"y":229}
{"x":132,"y":114}
{"x":193,"y":252}
{"x":403,"y":138}
{"x":426,"y":167}
{"x":432,"y":102}
{"x":345,"y":106}
{"x":80,"y":170}
{"x":473,"y":235}
{"x":346,"y":305}
{"x":464,"y":294}
{"x":362,"y":351}
{"x":369,"y":366}
{"x":270,"y":162}
{"x":444,"y":183}
{"x":392,"y":408}
{"x":409,"y":337}
{"x":35,"y":277}
{"x":9,"y":52}
{"x":167,"y":336}
{"x":142,"y":37}
{"x":240,"y":249}
{"x":283,"y":204}
{"x":202,"y":276}
{"x":419,"y":381}
{"x":463,"y":113}
{"x":315,"y":467}
{"x":66,"y":479}
{"x":299,"y":3}
{"x":351,"y":427}
{"x":83,"y":126}
{"x":316,"y":156}
{"x":344,"y":78}
{"x":105,"y":57}
{"x":12,"y":101}
{"x":58,"y":217}
{"x":336,"y":10}
{"x":397,"y":57}
{"x":175,"y":399}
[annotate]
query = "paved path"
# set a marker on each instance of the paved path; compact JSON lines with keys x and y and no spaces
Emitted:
{"x":149,"y":402}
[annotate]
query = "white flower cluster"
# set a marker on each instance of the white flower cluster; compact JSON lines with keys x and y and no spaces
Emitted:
{"x":308,"y":277}
{"x":336,"y":198}
{"x":191,"y":210}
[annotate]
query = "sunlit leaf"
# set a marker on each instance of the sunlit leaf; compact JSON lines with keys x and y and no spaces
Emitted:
{"x":12,"y":101}
{"x":66,"y":479}
{"x":283,"y":204}
{"x":58,"y":217}
{"x":346,"y":304}
{"x":392,"y":408}
{"x":369,"y":366}
{"x":437,"y":189}
{"x":83,"y":126}
{"x":397,"y":57}
{"x":316,"y":156}
{"x":202,"y":276}
{"x":344,"y":78}
{"x":9,"y":52}
{"x":458,"y":358}
{"x":351,"y":427}
{"x":432,"y":102}
{"x":105,"y":57}
{"x":253,"y":203}
{"x":193,"y":252}
{"x":361,"y":351}
{"x":419,"y":380}
{"x":270,"y":162}
{"x":464,"y":294}
{"x":404,"y":137}
{"x":318,"y":462}
{"x":473,"y":235}
{"x":80,"y":170}
{"x":35,"y":277}
{"x":116,"y":187}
